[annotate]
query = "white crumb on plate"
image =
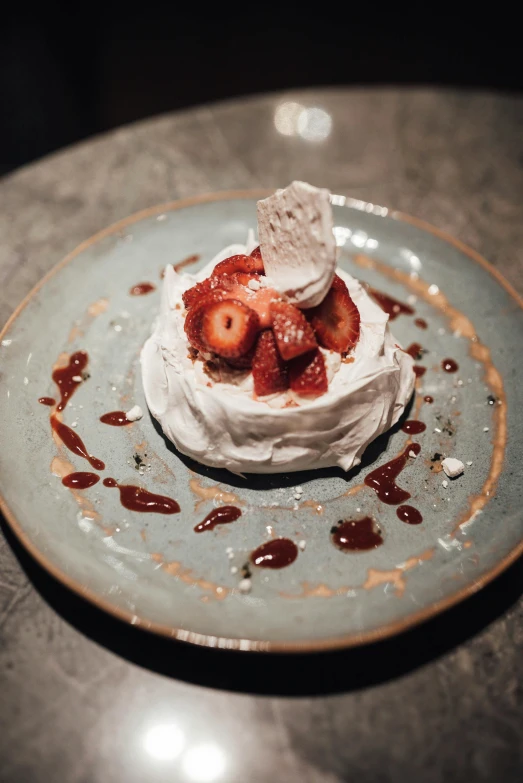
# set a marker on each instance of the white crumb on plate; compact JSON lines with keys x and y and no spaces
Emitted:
{"x":412,"y":454}
{"x":469,"y":463}
{"x":485,"y":429}
{"x":453,"y":467}
{"x":411,"y":299}
{"x":77,"y":378}
{"x":234,"y":569}
{"x":444,"y":484}
{"x":134,"y":414}
{"x":245,"y":586}
{"x":302,"y":544}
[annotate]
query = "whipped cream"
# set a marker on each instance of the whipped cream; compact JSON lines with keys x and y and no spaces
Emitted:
{"x":297,"y":242}
{"x":211,"y":415}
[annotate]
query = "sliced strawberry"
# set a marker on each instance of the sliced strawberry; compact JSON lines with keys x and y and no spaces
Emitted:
{"x":269,"y":371}
{"x":238,"y":263}
{"x":244,"y":278}
{"x":256,"y":254}
{"x":229,"y":328}
{"x":219,"y":283}
{"x":336,"y":320}
{"x":294,"y":335}
{"x":194,"y":319}
{"x":308,"y":375}
{"x":259,"y":300}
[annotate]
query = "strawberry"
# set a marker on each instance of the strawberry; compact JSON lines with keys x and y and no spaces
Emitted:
{"x":243,"y":278}
{"x":260,"y":301}
{"x":269,"y":371}
{"x":336,"y":320}
{"x":308,"y":374}
{"x":219,"y":283}
{"x":194,"y":319}
{"x":238,"y":263}
{"x":229,"y":328}
{"x":294,"y":335}
{"x":256,"y":254}
{"x":224,"y":282}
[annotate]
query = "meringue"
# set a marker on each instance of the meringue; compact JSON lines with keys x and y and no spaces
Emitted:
{"x":453,"y":467}
{"x":211,"y":416}
{"x":297,"y":242}
{"x":135,"y":414}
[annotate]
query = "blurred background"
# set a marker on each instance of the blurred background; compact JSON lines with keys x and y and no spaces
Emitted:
{"x":68,"y":73}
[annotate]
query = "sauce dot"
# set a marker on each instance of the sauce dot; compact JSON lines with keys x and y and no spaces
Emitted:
{"x":140,"y":289}
{"x":449,"y":365}
{"x":414,"y":427}
{"x":409,"y":514}
{"x":357,"y":535}
{"x":278,"y":553}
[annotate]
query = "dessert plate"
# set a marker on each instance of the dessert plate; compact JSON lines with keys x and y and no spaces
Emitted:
{"x":153,"y":569}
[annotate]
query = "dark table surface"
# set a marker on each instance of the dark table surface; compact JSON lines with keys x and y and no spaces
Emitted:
{"x":85,"y":699}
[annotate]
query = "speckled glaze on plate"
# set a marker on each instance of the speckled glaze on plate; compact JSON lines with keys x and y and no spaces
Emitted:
{"x":154,"y":570}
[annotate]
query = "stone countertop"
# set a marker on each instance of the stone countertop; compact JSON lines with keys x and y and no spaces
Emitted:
{"x":85,"y":699}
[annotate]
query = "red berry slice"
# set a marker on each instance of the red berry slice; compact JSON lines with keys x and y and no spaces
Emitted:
{"x":336,"y":320}
{"x":256,"y":254}
{"x":269,"y":371}
{"x":238,"y":263}
{"x":229,"y":328}
{"x":308,"y":375}
{"x":293,"y":333}
{"x":221,"y":283}
{"x":194,"y":319}
{"x":260,"y":300}
{"x":244,"y":278}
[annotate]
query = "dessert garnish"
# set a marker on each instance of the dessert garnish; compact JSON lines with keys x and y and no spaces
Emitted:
{"x":356,"y":535}
{"x":453,"y":467}
{"x":222,"y":515}
{"x":276,"y":553}
{"x":138,"y":499}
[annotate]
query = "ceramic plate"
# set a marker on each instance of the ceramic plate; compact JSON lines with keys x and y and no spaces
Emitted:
{"x":153,"y":570}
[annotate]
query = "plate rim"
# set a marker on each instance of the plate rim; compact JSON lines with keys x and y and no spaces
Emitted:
{"x":249,"y":645}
